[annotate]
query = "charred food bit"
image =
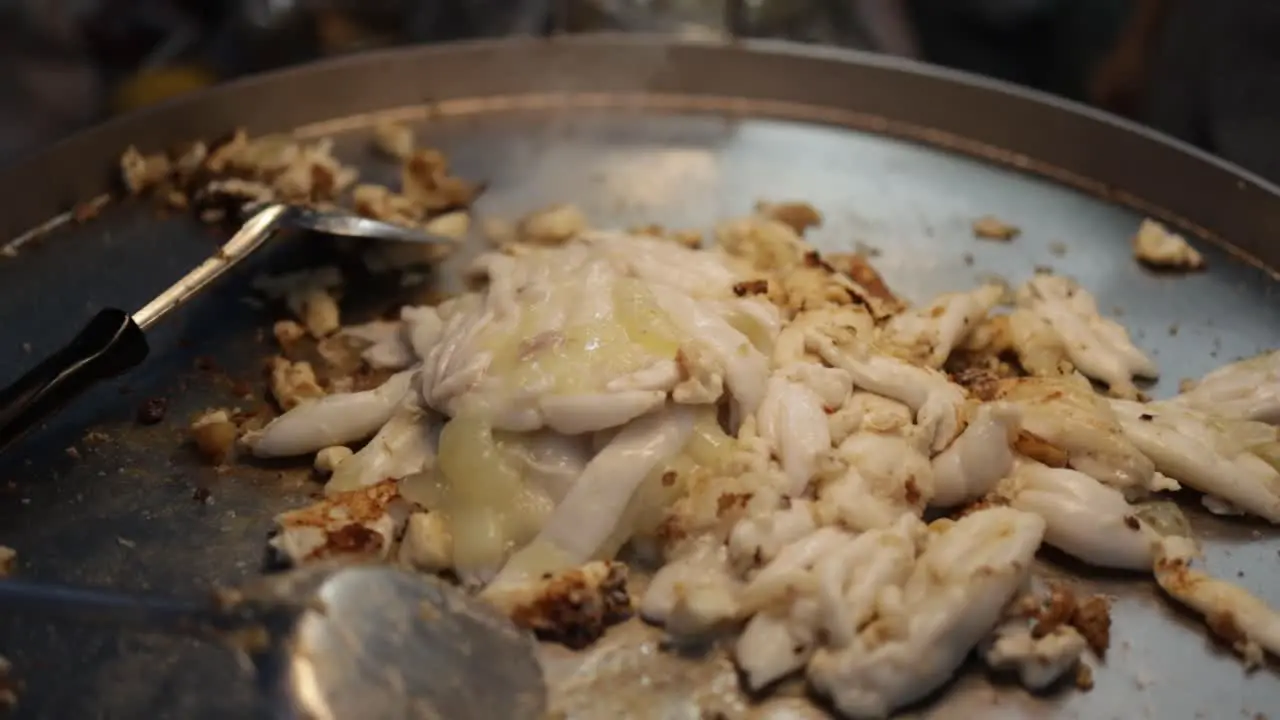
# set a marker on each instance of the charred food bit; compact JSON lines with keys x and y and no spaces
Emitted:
{"x":573,"y":607}
{"x":152,"y":411}
{"x":363,"y":522}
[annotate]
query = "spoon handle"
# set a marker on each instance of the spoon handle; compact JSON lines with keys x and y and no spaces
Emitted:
{"x":83,"y":605}
{"x":109,"y":345}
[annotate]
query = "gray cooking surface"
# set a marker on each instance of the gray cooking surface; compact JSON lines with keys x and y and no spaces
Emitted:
{"x":123,"y":513}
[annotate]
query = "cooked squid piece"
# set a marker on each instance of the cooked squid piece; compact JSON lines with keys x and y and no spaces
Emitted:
{"x":1040,"y":349}
{"x":1099,"y":347}
{"x":1069,"y":424}
{"x":1083,"y":518}
{"x":791,"y":419}
{"x":331,"y":420}
{"x":1234,"y":460}
{"x":929,"y":333}
{"x":979,"y":458}
{"x":1244,"y":390}
{"x":937,"y":402}
{"x":588,"y":516}
{"x":871,"y":480}
{"x":405,"y":445}
{"x":954,"y":597}
{"x":1242,"y":620}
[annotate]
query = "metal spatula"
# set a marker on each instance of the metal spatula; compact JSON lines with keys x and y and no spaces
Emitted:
{"x":114,"y":340}
{"x":339,"y":641}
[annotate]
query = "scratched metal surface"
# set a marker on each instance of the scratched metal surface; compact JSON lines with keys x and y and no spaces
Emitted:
{"x":123,"y":513}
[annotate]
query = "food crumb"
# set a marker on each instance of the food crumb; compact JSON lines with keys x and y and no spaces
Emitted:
{"x":1084,"y":677}
{"x":552,"y":226}
{"x":393,"y":139}
{"x":8,"y":561}
{"x":72,"y":452}
{"x":125,"y":542}
{"x":288,"y":332}
{"x":1158,"y":248}
{"x":328,"y":459}
{"x":215,"y":436}
{"x":990,"y":227}
{"x":153,"y":410}
{"x":799,"y":216}
{"x":9,"y":687}
{"x":201,"y":494}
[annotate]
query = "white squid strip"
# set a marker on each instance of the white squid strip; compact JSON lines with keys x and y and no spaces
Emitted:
{"x":1083,"y":518}
{"x":746,"y":368}
{"x":404,"y":446}
{"x":588,"y":516}
{"x":1209,"y":455}
{"x":1242,"y":619}
{"x":1099,"y":347}
{"x":578,"y":414}
{"x":1244,"y":390}
{"x":935,"y":400}
{"x":792,"y":421}
{"x":331,"y":420}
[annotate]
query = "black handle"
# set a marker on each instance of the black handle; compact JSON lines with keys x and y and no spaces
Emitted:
{"x":109,"y":345}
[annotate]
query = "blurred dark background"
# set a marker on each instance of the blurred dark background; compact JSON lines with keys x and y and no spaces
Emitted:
{"x":1207,"y":72}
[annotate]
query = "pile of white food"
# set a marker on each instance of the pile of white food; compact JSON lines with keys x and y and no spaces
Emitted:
{"x":576,"y":403}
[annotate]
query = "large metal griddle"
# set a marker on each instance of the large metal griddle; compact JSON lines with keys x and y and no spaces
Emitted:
{"x":898,"y":156}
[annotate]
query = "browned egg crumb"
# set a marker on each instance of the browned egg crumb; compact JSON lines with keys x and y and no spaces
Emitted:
{"x":293,"y":383}
{"x":1058,"y":610}
{"x":1084,"y":677}
{"x":551,"y":226}
{"x":214,"y":435}
{"x":1158,"y":248}
{"x":990,"y":227}
{"x":856,"y":267}
{"x":352,"y":523}
{"x":1092,"y":618}
{"x":573,"y":607}
{"x":799,"y":216}
{"x":393,"y":139}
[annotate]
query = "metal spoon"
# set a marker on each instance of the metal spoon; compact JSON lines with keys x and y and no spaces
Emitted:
{"x":339,"y":641}
{"x":114,"y":342}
